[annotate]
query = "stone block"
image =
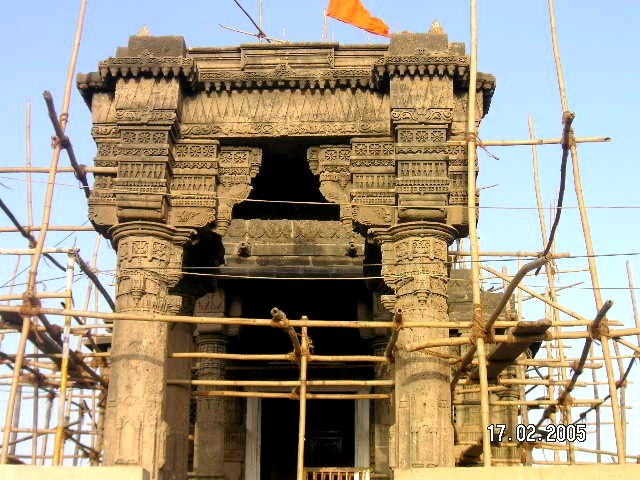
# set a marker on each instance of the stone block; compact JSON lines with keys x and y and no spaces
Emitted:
{"x":407,"y":43}
{"x":29,"y":472}
{"x":583,"y":472}
{"x":165,"y":46}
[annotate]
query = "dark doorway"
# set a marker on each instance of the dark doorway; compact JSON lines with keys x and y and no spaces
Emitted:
{"x":285,"y":176}
{"x":329,"y":440}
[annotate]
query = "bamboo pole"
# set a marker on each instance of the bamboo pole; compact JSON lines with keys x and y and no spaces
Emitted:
{"x":531,"y":403}
{"x":550,"y":275}
{"x":578,"y":368}
{"x":302,"y":420}
{"x":293,"y":395}
{"x":15,"y":423}
{"x":52,"y":228}
{"x":151,"y":317}
{"x":35,"y":259}
{"x":284,"y":383}
{"x":58,"y":448}
{"x":276,"y":357}
{"x":35,"y":410}
{"x":32,"y":251}
{"x":234,"y":356}
{"x":473,"y":233}
{"x":534,"y":294}
{"x":29,"y":170}
{"x":634,"y":302}
{"x":39,"y":295}
{"x":11,"y":402}
{"x":47,"y":424}
{"x":619,"y":425}
{"x":488,"y":325}
{"x":540,"y":141}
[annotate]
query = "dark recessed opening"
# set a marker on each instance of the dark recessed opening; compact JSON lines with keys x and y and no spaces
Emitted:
{"x":285,"y":177}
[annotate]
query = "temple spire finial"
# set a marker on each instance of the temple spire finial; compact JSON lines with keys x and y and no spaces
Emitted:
{"x":144,"y":31}
{"x":436,"y":28}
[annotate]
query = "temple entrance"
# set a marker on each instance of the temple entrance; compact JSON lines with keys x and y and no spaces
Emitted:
{"x":330,"y":436}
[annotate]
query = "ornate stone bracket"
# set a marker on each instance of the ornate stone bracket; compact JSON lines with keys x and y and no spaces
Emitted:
{"x":331,"y":162}
{"x":237,"y":166}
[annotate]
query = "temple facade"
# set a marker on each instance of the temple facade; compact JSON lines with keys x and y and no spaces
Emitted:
{"x":271,"y":183}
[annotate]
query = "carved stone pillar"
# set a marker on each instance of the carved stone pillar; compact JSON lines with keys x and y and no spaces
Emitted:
{"x":506,"y":415}
{"x":208,"y":461}
{"x":136,"y":427}
{"x":414,"y":265}
{"x":179,"y":396}
{"x":211,"y":412}
{"x":382,"y":421}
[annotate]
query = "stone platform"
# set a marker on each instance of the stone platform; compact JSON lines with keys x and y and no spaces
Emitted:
{"x":583,"y":472}
{"x":29,"y":472}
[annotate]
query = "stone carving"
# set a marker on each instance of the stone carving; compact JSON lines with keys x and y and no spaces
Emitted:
{"x":285,"y":112}
{"x":181,"y":127}
{"x":304,"y":231}
{"x":237,"y":167}
{"x":414,"y":265}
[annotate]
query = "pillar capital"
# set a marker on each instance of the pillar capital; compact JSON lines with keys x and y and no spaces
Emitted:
{"x":442,"y":231}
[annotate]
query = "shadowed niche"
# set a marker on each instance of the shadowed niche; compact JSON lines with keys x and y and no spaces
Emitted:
{"x":285,"y":176}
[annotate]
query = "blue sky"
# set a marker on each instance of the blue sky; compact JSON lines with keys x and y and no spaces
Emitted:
{"x":598,"y":43}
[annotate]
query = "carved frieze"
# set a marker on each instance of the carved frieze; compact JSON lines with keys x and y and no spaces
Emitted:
{"x":277,"y":112}
{"x":422,"y":115}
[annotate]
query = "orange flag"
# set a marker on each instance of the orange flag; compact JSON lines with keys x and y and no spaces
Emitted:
{"x":354,"y":13}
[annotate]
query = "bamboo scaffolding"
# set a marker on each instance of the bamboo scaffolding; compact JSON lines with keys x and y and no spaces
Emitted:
{"x":550,"y":271}
{"x":65,"y":387}
{"x":619,"y":424}
{"x":578,"y":368}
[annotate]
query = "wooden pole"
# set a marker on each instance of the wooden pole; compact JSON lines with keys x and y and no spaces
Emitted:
{"x":578,"y":368}
{"x":593,"y":269}
{"x":151,"y":317}
{"x":634,"y":302}
{"x":473,"y":233}
{"x":13,"y":392}
{"x":550,"y":272}
{"x":35,"y":259}
{"x":28,"y":165}
{"x":284,"y":383}
{"x":302,"y":420}
{"x":58,"y":448}
{"x":540,"y":141}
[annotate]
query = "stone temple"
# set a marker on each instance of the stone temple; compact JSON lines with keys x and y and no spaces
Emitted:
{"x":325,"y":180}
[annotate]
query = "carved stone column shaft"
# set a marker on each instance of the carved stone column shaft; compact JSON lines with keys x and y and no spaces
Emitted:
{"x":209,"y":446}
{"x":414,"y":264}
{"x":136,"y":426}
{"x":382,"y":421}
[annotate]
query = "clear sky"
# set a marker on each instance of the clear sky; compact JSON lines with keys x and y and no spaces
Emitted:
{"x":598,"y":43}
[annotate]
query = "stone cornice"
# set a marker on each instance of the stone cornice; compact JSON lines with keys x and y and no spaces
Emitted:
{"x":290,"y":65}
